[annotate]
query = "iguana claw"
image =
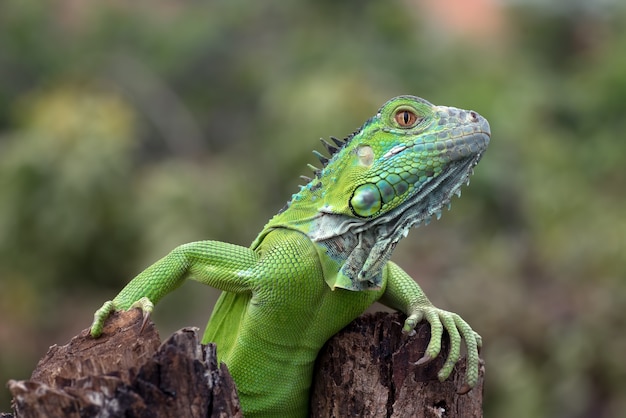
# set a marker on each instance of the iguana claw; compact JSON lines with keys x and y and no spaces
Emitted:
{"x":146,"y":307}
{"x":425,"y":359}
{"x":457,"y":329}
{"x":464,"y":389}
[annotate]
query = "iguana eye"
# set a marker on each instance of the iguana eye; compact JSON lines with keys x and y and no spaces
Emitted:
{"x":406,"y":118}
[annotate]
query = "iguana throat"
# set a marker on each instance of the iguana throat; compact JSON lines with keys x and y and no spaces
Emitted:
{"x":375,"y":187}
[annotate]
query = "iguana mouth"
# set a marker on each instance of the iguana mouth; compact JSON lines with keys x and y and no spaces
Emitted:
{"x":428,"y":201}
{"x":389,"y":228}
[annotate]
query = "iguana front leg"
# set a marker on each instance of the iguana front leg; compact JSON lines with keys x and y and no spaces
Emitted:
{"x":214,"y":263}
{"x":404,"y":294}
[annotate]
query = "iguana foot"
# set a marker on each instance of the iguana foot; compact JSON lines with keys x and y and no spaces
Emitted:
{"x":109,"y":306}
{"x":457,"y":329}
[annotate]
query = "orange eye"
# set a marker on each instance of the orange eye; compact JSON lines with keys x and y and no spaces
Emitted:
{"x":406,"y":118}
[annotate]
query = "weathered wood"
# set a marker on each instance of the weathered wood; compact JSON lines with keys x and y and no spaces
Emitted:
{"x":367,"y":370}
{"x":120,"y":348}
{"x":128,"y":373}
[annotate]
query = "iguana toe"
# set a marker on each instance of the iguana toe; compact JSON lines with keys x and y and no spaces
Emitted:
{"x":99,"y":317}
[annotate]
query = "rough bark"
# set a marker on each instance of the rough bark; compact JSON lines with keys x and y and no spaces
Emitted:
{"x":129,"y":373}
{"x":367,"y":370}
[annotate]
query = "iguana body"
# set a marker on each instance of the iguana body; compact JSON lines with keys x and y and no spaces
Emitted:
{"x":323,"y":259}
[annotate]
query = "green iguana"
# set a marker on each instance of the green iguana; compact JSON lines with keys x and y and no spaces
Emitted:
{"x":324,"y":258}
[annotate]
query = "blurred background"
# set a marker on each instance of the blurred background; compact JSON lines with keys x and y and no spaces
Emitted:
{"x":127,"y":128}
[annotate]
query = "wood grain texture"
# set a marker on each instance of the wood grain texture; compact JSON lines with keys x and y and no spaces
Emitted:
{"x":367,"y":370}
{"x":128,"y":373}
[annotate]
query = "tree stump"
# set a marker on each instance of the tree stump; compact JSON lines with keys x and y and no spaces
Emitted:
{"x":130,"y":373}
{"x":366,"y":370}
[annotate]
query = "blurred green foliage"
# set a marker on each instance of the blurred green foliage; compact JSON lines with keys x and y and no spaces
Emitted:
{"x":127,"y":129}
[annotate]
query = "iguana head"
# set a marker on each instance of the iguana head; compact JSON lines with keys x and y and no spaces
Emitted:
{"x":397,"y":171}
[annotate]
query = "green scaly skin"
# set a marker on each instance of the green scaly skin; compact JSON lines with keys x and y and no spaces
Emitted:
{"x":324,"y":258}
